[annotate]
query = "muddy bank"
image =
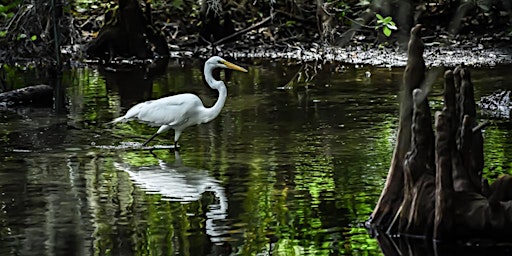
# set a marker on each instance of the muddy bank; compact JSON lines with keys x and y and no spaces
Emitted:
{"x":360,"y":55}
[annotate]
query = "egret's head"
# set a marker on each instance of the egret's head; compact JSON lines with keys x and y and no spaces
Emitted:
{"x":218,"y":62}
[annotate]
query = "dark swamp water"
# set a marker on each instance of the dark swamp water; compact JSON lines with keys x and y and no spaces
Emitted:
{"x":293,"y":165}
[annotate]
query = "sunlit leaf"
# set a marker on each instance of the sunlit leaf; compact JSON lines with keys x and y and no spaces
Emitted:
{"x":290,"y":23}
{"x":21,"y":36}
{"x":363,"y":3}
{"x":391,"y":25}
{"x":386,"y":31}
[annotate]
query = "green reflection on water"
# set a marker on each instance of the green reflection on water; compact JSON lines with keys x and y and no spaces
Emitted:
{"x":498,"y":152}
{"x":300,"y":168}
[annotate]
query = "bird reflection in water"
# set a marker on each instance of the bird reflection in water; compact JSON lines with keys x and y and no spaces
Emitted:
{"x":178,"y":183}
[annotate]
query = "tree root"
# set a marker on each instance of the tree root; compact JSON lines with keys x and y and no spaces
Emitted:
{"x":434,"y":187}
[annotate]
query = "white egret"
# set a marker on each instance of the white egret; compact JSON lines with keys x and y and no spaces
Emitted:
{"x":183,"y":110}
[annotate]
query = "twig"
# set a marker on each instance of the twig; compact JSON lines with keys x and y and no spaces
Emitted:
{"x":22,"y":12}
{"x":290,"y":15}
{"x":289,"y":83}
{"x":242,"y":31}
{"x":357,"y":23}
{"x":388,"y":231}
{"x":480,"y":126}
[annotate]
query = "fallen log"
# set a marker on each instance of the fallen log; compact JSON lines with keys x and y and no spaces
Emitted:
{"x":434,"y":188}
{"x":37,"y":95}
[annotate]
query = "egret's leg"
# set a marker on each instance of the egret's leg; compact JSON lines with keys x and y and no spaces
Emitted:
{"x":177,"y":134}
{"x":150,"y":139}
{"x":153,"y":154}
{"x":162,"y":128}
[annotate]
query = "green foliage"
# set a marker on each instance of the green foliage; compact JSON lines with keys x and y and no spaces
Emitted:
{"x":21,"y":36}
{"x":7,"y":9}
{"x":7,"y":12}
{"x":4,"y":9}
{"x":387,"y":24}
{"x":343,"y":9}
{"x":290,"y":23}
{"x":177,"y":4}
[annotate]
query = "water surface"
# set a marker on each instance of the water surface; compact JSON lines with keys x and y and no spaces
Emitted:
{"x":292,"y":166}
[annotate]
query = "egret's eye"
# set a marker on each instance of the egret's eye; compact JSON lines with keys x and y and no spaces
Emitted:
{"x":220,"y":62}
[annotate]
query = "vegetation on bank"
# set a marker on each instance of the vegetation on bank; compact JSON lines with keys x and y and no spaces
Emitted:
{"x":33,"y":30}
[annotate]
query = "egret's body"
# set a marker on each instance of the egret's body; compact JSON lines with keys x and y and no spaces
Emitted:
{"x":181,"y":111}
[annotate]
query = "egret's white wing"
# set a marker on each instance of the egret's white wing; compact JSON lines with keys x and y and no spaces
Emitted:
{"x":131,"y":113}
{"x":134,"y":111}
{"x":172,"y":110}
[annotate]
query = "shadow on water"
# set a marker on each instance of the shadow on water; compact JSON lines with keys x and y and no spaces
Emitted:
{"x":133,"y":84}
{"x":292,"y":166}
{"x":404,"y":245}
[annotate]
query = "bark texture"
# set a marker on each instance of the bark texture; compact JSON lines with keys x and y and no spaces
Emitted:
{"x":128,"y":32}
{"x":434,"y":187}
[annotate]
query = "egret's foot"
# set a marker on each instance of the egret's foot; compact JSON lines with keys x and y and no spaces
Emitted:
{"x":153,"y":153}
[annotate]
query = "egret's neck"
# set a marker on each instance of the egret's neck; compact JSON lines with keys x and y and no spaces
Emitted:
{"x":214,"y":111}
{"x":208,"y":76}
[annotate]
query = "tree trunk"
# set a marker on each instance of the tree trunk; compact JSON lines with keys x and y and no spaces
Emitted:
{"x":128,"y":32}
{"x":392,"y":194}
{"x":434,"y":186}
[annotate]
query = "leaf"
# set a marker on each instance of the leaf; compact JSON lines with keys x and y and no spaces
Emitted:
{"x":33,"y":37}
{"x":363,"y":3}
{"x":391,"y":25}
{"x":290,"y":23}
{"x":386,"y":31}
{"x":3,"y":33}
{"x":178,"y":4}
{"x":21,"y":36}
{"x":387,"y":19}
{"x":484,"y":5}
{"x":379,"y":17}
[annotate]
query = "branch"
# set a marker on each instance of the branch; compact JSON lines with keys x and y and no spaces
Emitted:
{"x":480,"y":126}
{"x":222,"y":40}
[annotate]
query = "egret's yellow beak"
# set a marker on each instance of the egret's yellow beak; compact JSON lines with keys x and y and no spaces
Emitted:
{"x":233,"y":66}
